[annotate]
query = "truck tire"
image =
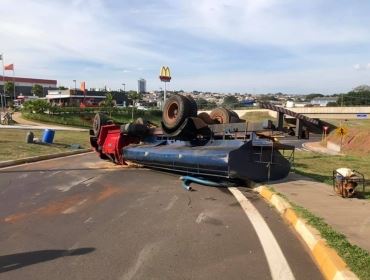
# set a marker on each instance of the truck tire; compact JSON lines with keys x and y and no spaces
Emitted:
{"x":206,"y":118}
{"x":193,"y":106}
{"x":220,"y":115}
{"x":176,"y":109}
{"x":98,"y":122}
{"x":235,"y":117}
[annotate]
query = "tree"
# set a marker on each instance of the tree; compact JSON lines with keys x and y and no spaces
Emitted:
{"x":267,"y":97}
{"x":332,"y":104}
{"x":134,"y":96}
{"x":108,"y":103}
{"x":62,"y":88}
{"x":311,"y":96}
{"x":230,"y":101}
{"x":355,"y":98}
{"x":201,"y":103}
{"x":37,"y":90}
{"x":9,"y":87}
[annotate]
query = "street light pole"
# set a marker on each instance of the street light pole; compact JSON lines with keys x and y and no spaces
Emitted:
{"x":70,"y":98}
{"x":123,"y":97}
{"x":75,"y":86}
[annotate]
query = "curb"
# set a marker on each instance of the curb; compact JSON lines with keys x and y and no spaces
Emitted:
{"x":40,"y":158}
{"x":331,"y":265}
{"x":318,"y":150}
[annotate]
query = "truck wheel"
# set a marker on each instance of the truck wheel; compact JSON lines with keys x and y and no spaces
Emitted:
{"x":99,"y":121}
{"x":176,"y":109}
{"x":193,"y":106}
{"x":206,"y":118}
{"x":235,"y":117}
{"x":221,"y":115}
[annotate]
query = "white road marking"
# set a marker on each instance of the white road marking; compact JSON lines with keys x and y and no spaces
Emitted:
{"x":89,"y":220}
{"x":144,"y":256}
{"x":68,"y":187}
{"x":171,"y":203}
{"x":201,"y":217}
{"x":279,"y":267}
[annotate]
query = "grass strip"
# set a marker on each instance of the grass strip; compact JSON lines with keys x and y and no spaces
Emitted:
{"x":13,"y":143}
{"x":357,"y":259}
{"x":320,"y":167}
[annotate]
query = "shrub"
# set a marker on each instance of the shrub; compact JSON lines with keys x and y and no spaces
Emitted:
{"x":38,"y":106}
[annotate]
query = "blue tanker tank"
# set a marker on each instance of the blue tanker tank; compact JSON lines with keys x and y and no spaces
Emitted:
{"x":252,"y":160}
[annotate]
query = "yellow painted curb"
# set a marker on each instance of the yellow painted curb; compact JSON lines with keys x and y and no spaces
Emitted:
{"x":266,"y":193}
{"x":331,"y":265}
{"x":328,"y":260}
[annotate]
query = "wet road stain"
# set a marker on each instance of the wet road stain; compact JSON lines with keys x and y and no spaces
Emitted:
{"x":67,"y":205}
{"x":54,"y":207}
{"x":108,"y":192}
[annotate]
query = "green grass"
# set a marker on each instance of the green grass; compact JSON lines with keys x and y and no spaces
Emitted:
{"x":13,"y":143}
{"x":256,"y":116}
{"x":357,"y":259}
{"x":320,"y":167}
{"x":84,"y":120}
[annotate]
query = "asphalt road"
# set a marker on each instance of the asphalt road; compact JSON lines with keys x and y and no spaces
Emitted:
{"x":298,"y":143}
{"x":82,"y":218}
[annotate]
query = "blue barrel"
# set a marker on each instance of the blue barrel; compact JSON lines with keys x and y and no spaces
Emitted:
{"x":48,"y":136}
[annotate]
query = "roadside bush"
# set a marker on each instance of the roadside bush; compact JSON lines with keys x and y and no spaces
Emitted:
{"x":38,"y":106}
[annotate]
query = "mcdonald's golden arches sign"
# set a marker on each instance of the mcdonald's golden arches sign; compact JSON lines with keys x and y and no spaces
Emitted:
{"x":165,"y":75}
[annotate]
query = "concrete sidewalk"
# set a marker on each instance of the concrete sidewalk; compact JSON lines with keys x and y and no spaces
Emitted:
{"x":350,"y":216}
{"x":318,"y":148}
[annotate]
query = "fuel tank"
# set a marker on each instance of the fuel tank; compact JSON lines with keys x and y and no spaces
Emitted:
{"x":250,"y":160}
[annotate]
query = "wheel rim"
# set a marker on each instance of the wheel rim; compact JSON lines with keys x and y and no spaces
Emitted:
{"x":219,"y":118}
{"x":172,"y":112}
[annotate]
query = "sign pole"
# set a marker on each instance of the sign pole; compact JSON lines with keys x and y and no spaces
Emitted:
{"x":164,"y":94}
{"x":165,"y":76}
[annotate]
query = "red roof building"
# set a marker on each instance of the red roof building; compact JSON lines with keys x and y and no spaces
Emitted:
{"x":19,"y":81}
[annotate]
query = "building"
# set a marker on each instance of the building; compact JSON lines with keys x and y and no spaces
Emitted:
{"x":23,"y":86}
{"x":323,"y":101}
{"x":89,"y":98}
{"x":141,"y":86}
{"x":72,"y":98}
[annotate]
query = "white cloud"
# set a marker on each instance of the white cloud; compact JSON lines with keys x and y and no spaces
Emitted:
{"x":361,"y":67}
{"x":270,"y":22}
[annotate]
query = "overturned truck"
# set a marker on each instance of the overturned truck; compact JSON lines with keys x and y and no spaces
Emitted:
{"x":216,"y":146}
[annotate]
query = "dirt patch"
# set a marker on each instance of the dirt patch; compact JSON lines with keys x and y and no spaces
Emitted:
{"x":357,"y":141}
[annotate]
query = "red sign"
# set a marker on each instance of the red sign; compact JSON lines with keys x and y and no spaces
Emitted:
{"x":326,"y":128}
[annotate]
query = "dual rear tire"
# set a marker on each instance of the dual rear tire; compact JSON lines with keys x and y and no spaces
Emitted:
{"x":176,"y":109}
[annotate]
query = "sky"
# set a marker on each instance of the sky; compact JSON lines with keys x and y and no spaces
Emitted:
{"x":254,"y":46}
